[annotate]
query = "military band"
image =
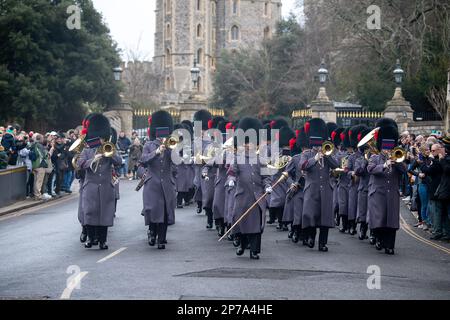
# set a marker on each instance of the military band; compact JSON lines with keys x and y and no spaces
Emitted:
{"x":325,"y":177}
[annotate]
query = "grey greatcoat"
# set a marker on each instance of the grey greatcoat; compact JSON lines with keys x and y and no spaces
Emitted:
{"x":278,"y":195}
{"x":207,"y":186}
{"x":229,"y":200}
{"x":344,"y":184}
{"x":318,"y":197}
{"x":384,"y":195}
{"x":80,"y":203}
{"x":219,"y":192}
{"x":250,"y":186}
{"x":159,"y":193}
{"x":335,"y":180}
{"x":292,"y":205}
{"x":363,"y":188}
{"x":353,"y":186}
{"x":184,"y":177}
{"x":97,"y":191}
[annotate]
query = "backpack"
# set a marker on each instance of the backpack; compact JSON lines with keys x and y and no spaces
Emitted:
{"x":32,"y":155}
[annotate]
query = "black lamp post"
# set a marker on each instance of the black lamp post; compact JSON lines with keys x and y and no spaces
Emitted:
{"x":195,"y":73}
{"x":398,"y":74}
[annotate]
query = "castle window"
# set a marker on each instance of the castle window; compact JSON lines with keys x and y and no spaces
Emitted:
{"x":235,"y":33}
{"x":213,"y":8}
{"x":266,"y":9}
{"x":168,"y":84}
{"x":235,"y":6}
{"x":168,"y":31}
{"x":199,"y":31}
{"x":199,"y":5}
{"x":168,"y":6}
{"x":266,"y":33}
{"x":200,"y":56}
{"x":168,"y":58}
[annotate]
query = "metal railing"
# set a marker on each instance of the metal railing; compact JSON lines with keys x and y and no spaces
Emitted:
{"x":427,"y":116}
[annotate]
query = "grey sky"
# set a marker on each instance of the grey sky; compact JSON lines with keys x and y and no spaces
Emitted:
{"x":132,"y":23}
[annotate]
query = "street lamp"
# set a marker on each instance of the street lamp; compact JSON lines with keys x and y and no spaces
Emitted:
{"x":398,"y":74}
{"x":117,"y":73}
{"x":323,"y":73}
{"x":195,"y":73}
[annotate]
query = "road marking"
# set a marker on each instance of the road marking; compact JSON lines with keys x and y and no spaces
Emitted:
{"x":416,"y":236}
{"x":68,"y":290}
{"x":115,"y":253}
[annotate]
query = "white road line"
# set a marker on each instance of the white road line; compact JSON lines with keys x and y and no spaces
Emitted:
{"x":74,"y":284}
{"x":115,"y":253}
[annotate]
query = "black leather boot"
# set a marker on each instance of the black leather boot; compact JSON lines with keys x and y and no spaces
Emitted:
{"x":83,"y":235}
{"x":161,"y":246}
{"x":103,"y":246}
{"x":389,"y":251}
{"x":323,"y":247}
{"x":311,"y":242}
{"x":240,"y":251}
{"x":254,"y":255}
{"x":151,"y":238}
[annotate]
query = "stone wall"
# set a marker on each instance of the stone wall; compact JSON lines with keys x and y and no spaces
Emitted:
{"x":425,"y":127}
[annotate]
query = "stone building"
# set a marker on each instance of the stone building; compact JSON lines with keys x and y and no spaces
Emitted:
{"x":188,"y":30}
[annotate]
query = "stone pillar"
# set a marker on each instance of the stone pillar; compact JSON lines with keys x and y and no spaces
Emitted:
{"x":124,"y":112}
{"x":323,"y":108}
{"x":399,"y":110}
{"x":191,"y":105}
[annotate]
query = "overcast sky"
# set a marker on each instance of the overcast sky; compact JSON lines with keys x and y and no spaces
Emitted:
{"x":132,"y":23}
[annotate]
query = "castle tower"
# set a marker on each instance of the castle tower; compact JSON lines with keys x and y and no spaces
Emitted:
{"x":200,"y":30}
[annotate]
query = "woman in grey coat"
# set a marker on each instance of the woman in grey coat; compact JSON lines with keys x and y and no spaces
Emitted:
{"x":318,"y":194}
{"x":384,"y":197}
{"x":159,"y":195}
{"x":98,"y":194}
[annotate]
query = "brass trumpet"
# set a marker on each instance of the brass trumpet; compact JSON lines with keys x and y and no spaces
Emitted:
{"x":107,"y":149}
{"x":171,"y":142}
{"x":327,"y":148}
{"x":398,"y":154}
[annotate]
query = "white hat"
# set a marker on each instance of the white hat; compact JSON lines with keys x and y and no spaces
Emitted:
{"x":53,"y":133}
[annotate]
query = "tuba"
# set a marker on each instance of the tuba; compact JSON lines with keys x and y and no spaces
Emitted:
{"x":369,"y":140}
{"x":77,"y":147}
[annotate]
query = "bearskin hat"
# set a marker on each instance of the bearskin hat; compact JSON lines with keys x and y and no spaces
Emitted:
{"x":98,"y":127}
{"x":317,"y":131}
{"x":331,"y":126}
{"x":269,"y":131}
{"x":302,"y":138}
{"x":386,"y":122}
{"x":278,"y":123}
{"x":353,"y":134}
{"x":285,"y":135}
{"x":160,"y":119}
{"x":362,"y":134}
{"x":387,"y":137}
{"x":336,"y":136}
{"x":204,"y":116}
{"x":113,"y":136}
{"x":214,"y":122}
{"x":345,"y":138}
{"x":247,"y":123}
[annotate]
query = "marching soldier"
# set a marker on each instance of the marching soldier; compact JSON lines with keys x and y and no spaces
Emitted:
{"x":191,"y":166}
{"x":345,"y":181}
{"x":318,"y":194}
{"x":354,"y":180}
{"x":159,"y":195}
{"x":383,"y":196}
{"x":184,"y":179}
{"x":98,"y":194}
{"x":338,"y":154}
{"x":360,"y":169}
{"x":250,"y":185}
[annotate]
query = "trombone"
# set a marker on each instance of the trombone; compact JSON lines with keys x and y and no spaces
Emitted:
{"x":107,"y":149}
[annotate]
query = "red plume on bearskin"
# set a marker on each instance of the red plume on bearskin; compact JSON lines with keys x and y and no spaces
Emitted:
{"x":272,"y":123}
{"x":87,"y":124}
{"x":307,"y":125}
{"x":376,"y":135}
{"x":297,"y":132}
{"x":342,"y":136}
{"x":333,"y":135}
{"x":359,"y":136}
{"x":229,"y":126}
{"x":150,"y":120}
{"x":210,"y":124}
{"x":350,"y":134}
{"x":292,"y":143}
{"x":148,"y":132}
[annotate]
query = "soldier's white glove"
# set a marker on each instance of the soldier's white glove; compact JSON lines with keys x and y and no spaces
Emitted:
{"x":231,"y":183}
{"x":205,"y":176}
{"x":98,"y":156}
{"x":161,"y":149}
{"x":318,"y":156}
{"x":269,"y":190}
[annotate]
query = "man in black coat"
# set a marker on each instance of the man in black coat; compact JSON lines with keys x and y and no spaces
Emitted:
{"x":443,"y":194}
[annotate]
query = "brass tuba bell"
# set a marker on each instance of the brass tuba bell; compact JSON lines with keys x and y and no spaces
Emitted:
{"x":369,"y":140}
{"x":77,"y":147}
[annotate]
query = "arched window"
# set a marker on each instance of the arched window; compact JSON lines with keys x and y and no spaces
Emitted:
{"x":266,"y":9}
{"x":168,"y":31}
{"x":266,"y":33}
{"x":235,"y":33}
{"x":168,"y":58}
{"x":200,"y":56}
{"x":199,"y":31}
{"x":235,"y":6}
{"x":199,"y":5}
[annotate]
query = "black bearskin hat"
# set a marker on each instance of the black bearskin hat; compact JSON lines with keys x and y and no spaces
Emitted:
{"x":318,"y":132}
{"x":204,"y":116}
{"x":353,"y":134}
{"x":247,"y":123}
{"x":345,"y":138}
{"x":269,"y":131}
{"x":331,"y":126}
{"x":387,"y":137}
{"x":336,"y":136}
{"x":386,"y":122}
{"x":113,"y":137}
{"x":362,"y":134}
{"x":278,"y":123}
{"x":222,"y":126}
{"x":160,"y":119}
{"x":98,"y":127}
{"x":286,"y":134}
{"x":302,"y":138}
{"x":212,"y":124}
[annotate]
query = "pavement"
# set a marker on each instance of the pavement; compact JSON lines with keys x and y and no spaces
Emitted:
{"x":41,"y":258}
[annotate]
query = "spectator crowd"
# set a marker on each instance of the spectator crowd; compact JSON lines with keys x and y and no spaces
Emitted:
{"x":50,"y":172}
{"x":426,"y":185}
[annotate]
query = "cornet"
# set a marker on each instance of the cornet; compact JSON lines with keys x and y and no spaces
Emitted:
{"x":398,"y":154}
{"x":107,"y":149}
{"x":327,"y":150}
{"x":171,"y":142}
